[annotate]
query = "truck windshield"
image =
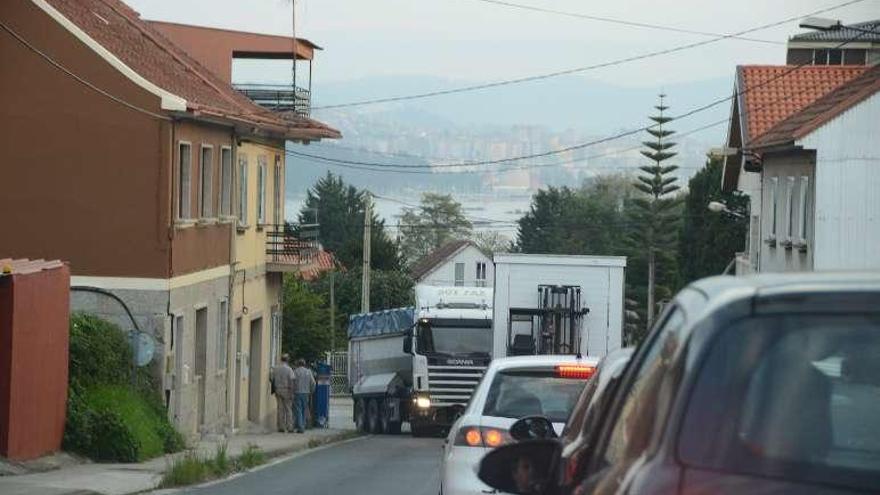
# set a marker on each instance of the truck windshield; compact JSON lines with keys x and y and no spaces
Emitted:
{"x":454,"y":340}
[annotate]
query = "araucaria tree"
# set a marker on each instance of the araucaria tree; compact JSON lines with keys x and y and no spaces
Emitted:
{"x":655,"y":213}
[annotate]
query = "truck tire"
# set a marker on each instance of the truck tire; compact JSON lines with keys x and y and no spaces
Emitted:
{"x":389,"y":427}
{"x":360,"y":415}
{"x":419,"y":430}
{"x":373,"y":425}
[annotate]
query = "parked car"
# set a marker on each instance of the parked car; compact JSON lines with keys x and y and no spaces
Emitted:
{"x":764,"y":384}
{"x":511,"y":388}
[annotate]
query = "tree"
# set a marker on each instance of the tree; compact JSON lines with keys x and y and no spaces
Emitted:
{"x":588,"y":220}
{"x":491,"y":241}
{"x":654,"y":216}
{"x":388,"y":289}
{"x":438,"y":220}
{"x":709,"y":241}
{"x":339,"y":209}
{"x":305,"y":332}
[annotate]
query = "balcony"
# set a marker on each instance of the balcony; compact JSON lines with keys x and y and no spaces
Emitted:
{"x":278,"y":97}
{"x":287,"y":253}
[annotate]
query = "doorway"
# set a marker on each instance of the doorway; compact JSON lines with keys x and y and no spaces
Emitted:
{"x":256,"y":368}
{"x":202,"y":361}
{"x":236,"y":406}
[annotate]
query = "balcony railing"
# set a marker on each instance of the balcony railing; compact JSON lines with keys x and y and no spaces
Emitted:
{"x":286,"y":252}
{"x":279,"y":97}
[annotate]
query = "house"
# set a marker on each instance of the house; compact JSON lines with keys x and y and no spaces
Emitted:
{"x":764,"y":95}
{"x":263,"y":250}
{"x":458,"y":263}
{"x":853,"y":44}
{"x":157,"y":181}
{"x":821,"y":182}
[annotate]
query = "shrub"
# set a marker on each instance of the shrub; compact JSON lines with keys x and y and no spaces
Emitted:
{"x":140,"y":421}
{"x":111,"y":438}
{"x":99,"y":352}
{"x":78,"y":429}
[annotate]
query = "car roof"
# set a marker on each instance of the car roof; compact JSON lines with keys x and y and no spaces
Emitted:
{"x":544,"y":360}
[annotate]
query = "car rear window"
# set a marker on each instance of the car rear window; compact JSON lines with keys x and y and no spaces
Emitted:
{"x":795,"y":397}
{"x":518,"y":393}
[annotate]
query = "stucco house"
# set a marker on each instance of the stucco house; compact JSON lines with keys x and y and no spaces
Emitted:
{"x":456,"y":263}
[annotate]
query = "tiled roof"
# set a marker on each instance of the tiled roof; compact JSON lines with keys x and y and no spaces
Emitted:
{"x":822,"y":110}
{"x":764,"y":104}
{"x":844,"y":34}
{"x":439,"y":255}
{"x":321,"y":263}
{"x":120,"y":30}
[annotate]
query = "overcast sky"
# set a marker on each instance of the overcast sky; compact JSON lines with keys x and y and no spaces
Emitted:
{"x":474,"y":40}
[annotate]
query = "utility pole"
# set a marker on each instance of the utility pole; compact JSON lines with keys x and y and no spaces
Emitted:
{"x":333,"y":311}
{"x":365,"y":283}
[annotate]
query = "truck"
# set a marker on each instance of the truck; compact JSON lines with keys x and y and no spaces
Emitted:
{"x":419,"y":364}
{"x":558,"y":304}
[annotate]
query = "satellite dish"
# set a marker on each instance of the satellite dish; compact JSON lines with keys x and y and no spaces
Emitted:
{"x":144,"y":347}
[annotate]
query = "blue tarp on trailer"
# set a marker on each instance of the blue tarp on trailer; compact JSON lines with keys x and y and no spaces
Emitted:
{"x":378,"y":323}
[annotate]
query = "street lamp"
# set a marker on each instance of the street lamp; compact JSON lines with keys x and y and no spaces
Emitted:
{"x":719,"y":207}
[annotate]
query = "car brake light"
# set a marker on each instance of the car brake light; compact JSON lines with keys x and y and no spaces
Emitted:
{"x":575,"y":371}
{"x":473,"y":436}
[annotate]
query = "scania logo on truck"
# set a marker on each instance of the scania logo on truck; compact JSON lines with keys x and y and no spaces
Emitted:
{"x":460,"y":361}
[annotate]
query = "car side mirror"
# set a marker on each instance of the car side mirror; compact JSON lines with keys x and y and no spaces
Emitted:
{"x":407,"y":344}
{"x":532,"y":428}
{"x":521,"y":468}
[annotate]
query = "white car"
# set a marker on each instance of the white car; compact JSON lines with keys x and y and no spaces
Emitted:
{"x":511,"y":388}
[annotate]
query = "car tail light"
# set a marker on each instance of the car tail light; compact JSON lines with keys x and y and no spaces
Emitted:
{"x":474,"y":436}
{"x":575,"y":371}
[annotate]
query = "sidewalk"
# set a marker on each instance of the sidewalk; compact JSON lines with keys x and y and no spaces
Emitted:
{"x":123,"y":479}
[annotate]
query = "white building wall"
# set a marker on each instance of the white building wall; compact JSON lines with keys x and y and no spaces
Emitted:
{"x":847,"y":214}
{"x":750,"y":184}
{"x":444,"y":274}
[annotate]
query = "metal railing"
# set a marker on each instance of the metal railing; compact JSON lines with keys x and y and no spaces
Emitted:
{"x":283,"y":246}
{"x":338,"y":361}
{"x":279,"y":97}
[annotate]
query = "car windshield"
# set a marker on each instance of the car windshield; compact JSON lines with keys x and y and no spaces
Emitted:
{"x":455,"y":340}
{"x":515,"y":394}
{"x":792,"y":397}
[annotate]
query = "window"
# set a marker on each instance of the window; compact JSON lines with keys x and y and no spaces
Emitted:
{"x":774,"y":183}
{"x":222,"y":334}
{"x":647,"y":398}
{"x":820,"y":57}
{"x":225,"y":181}
{"x":835,"y":57}
{"x":790,"y":396}
{"x":459,"y":274}
{"x":184,"y":182}
{"x":481,"y":274}
{"x":206,"y":197}
{"x":804,"y":213}
{"x":518,"y":393}
{"x":278,"y":189}
{"x":790,"y":221}
{"x":242,"y":190}
{"x":261,"y":190}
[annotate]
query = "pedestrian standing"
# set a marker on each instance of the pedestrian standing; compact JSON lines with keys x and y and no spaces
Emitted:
{"x":304,"y":384}
{"x":283,"y":379}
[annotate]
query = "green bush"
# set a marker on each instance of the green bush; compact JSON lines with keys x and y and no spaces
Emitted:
{"x":99,"y":352}
{"x":108,"y":417}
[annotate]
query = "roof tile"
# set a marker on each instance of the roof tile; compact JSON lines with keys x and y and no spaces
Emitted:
{"x":772,"y":93}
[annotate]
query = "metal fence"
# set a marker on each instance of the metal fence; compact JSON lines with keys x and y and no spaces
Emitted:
{"x":339,"y":385}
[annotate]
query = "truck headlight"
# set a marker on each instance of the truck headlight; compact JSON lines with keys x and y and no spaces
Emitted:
{"x":423,"y":402}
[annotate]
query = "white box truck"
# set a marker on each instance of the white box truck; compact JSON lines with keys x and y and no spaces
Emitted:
{"x":558,"y":304}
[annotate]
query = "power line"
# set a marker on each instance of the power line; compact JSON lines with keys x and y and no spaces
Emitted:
{"x":612,"y":20}
{"x":577,"y":70}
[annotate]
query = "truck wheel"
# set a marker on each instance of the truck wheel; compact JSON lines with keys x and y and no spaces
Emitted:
{"x":419,"y":430}
{"x":389,"y":427}
{"x":373,"y":416}
{"x":360,"y":415}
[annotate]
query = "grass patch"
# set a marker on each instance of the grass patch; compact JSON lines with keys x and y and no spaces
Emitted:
{"x":251,"y":457}
{"x":134,"y":415}
{"x":192,"y":468}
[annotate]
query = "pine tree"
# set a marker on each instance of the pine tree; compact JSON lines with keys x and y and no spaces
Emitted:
{"x":655,"y":213}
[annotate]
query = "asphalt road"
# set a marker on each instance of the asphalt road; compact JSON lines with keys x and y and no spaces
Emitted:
{"x":375,"y":465}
